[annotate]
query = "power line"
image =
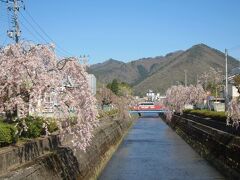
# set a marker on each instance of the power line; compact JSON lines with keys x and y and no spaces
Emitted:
{"x":44,"y":32}
{"x":4,"y":20}
{"x":234,"y":48}
{"x":29,"y":31}
{"x":36,"y":37}
{"x":33,"y":28}
{"x":39,"y":35}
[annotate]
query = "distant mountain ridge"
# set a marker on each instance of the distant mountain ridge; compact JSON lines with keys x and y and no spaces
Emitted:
{"x":161,"y":72}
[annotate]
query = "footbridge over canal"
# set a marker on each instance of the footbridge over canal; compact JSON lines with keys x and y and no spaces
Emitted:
{"x":152,"y":150}
{"x":148,"y":113}
{"x":148,"y":108}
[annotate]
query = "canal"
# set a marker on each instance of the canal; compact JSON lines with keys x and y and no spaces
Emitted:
{"x":152,"y":150}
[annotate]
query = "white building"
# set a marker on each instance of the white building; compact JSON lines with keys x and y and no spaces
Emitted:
{"x":47,"y":103}
{"x":152,"y":96}
{"x":92,"y":83}
{"x":232,"y":90}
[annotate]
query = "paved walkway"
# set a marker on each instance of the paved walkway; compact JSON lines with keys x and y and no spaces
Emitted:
{"x":152,"y":150}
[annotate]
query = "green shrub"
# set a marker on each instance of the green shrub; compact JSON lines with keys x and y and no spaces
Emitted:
{"x":7,"y":134}
{"x":112,"y":112}
{"x":221,"y":116}
{"x":72,"y":120}
{"x":35,"y":127}
{"x":52,"y":125}
{"x":100,"y":115}
{"x":187,"y":110}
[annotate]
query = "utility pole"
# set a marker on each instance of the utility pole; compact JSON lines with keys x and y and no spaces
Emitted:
{"x":197,"y":80}
{"x":226,"y":78}
{"x":185,"y":73}
{"x":14,"y":8}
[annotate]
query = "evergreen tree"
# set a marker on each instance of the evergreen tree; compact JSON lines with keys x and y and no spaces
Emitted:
{"x":115,"y":87}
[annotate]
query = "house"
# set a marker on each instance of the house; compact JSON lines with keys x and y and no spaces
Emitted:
{"x":48,"y":103}
{"x":232,"y":90}
{"x":45,"y":105}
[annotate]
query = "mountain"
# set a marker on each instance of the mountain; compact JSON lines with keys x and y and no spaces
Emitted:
{"x":161,"y":72}
{"x":133,"y":72}
{"x":195,"y":61}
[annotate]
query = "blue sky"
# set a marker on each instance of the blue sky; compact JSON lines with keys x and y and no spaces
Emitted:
{"x":129,"y":29}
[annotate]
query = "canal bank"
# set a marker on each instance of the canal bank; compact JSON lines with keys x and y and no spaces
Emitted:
{"x":219,"y":148}
{"x":46,"y":158}
{"x":152,"y":150}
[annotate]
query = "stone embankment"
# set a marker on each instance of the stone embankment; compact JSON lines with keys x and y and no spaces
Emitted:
{"x":46,"y":158}
{"x":220,"y":148}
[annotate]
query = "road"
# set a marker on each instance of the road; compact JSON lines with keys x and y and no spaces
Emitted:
{"x":152,"y":150}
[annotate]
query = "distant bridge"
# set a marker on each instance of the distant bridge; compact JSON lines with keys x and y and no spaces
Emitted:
{"x":140,"y":112}
{"x":151,"y":111}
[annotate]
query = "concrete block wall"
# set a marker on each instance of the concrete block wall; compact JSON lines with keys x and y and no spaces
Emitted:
{"x":14,"y":156}
{"x":220,"y":148}
{"x":46,"y":159}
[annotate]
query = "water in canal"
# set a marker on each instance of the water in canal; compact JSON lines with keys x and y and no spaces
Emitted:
{"x":152,"y":150}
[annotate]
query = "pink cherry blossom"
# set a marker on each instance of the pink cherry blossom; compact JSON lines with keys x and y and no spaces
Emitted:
{"x":233,"y":113}
{"x":179,"y":96}
{"x":30,"y":74}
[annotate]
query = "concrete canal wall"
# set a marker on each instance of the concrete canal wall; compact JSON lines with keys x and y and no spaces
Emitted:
{"x":45,"y":158}
{"x":220,"y":148}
